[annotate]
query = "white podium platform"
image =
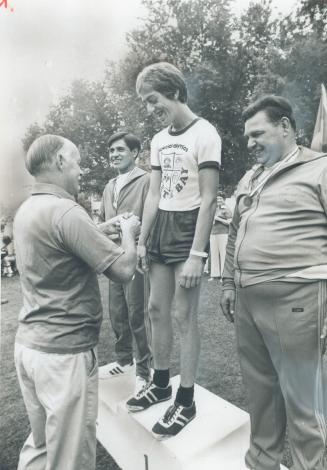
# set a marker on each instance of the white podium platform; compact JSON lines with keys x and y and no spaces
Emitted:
{"x":216,"y":439}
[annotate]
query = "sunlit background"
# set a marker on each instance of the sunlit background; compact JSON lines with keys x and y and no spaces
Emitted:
{"x":44,"y":46}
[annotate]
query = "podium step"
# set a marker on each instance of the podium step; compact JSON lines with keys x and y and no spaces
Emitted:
{"x":116,"y":390}
{"x":216,"y":439}
{"x":215,"y":419}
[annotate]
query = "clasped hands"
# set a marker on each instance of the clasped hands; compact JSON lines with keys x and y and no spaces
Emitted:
{"x":116,"y":226}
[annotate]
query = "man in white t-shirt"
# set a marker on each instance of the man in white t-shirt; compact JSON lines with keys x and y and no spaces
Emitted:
{"x":177,"y":220}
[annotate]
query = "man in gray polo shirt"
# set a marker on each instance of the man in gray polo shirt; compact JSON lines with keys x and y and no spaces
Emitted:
{"x":60,"y":251}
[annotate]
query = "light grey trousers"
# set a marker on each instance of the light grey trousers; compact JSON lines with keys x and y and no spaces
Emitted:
{"x":278,"y":327}
{"x":60,"y":392}
{"x":218,"y":244}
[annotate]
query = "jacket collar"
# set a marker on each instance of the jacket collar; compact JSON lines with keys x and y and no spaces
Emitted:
{"x":137,"y":172}
{"x":53,"y":189}
{"x":305,"y":155}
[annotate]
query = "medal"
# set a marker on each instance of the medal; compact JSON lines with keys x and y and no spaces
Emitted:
{"x":247,"y":200}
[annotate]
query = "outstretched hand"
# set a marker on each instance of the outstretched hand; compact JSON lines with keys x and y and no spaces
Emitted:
{"x":131,"y":224}
{"x":111,"y":227}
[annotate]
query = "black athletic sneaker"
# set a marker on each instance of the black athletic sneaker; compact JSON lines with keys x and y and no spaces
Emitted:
{"x":148,"y":396}
{"x":173,"y":421}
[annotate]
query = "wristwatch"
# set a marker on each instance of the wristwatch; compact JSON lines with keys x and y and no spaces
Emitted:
{"x":200,"y":254}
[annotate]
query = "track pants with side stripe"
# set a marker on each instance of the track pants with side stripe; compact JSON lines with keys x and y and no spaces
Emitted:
{"x":130,"y":322}
{"x":278,"y":328}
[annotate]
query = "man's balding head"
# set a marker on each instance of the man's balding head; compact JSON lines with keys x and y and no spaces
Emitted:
{"x":41,"y":153}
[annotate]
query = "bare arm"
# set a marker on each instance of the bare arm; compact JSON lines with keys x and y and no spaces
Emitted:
{"x":123,"y":269}
{"x":193,"y":267}
{"x":149,"y":214}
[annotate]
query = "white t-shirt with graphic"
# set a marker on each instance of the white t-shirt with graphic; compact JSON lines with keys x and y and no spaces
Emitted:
{"x":179,"y":156}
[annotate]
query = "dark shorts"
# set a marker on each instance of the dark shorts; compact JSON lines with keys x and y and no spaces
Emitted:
{"x":172,"y":236}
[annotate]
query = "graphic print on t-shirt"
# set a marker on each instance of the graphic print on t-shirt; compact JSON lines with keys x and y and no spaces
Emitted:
{"x":174,"y":175}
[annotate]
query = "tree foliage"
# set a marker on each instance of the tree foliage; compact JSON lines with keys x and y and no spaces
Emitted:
{"x":227,"y":61}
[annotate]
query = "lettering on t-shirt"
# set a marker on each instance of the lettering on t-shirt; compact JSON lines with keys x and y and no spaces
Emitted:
{"x":173,"y":146}
{"x":174,"y":175}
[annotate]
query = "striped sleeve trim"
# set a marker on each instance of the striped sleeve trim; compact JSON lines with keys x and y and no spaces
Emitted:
{"x":155,"y":167}
{"x":209,"y":164}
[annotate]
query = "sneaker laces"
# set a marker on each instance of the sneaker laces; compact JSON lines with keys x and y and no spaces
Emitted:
{"x":171,"y":414}
{"x":141,"y":393}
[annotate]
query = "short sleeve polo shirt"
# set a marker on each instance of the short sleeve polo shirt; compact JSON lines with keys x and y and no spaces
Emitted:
{"x":59,"y":252}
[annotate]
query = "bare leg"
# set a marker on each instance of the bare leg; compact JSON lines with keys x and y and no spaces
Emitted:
{"x":187,"y":303}
{"x":162,"y":286}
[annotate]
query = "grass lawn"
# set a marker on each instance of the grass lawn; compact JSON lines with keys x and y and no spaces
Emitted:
{"x":218,"y":367}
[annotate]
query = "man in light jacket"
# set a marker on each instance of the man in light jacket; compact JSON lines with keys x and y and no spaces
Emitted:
{"x":276,"y":263}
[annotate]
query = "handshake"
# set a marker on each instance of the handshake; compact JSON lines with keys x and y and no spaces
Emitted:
{"x":121,"y":225}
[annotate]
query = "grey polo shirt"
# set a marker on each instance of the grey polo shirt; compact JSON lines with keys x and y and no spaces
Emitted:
{"x":59,"y":251}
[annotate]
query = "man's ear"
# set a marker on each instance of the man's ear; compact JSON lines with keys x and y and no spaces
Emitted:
{"x":60,"y":161}
{"x":176,"y":95}
{"x":286,"y":125}
{"x":135,"y":153}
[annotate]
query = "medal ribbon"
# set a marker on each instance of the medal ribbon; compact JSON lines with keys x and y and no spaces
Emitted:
{"x":287,"y":159}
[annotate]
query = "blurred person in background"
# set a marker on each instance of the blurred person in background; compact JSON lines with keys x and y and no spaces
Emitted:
{"x":218,"y":237}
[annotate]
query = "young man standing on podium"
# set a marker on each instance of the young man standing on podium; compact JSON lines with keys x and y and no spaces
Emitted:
{"x":173,"y":244}
{"x":127,"y":302}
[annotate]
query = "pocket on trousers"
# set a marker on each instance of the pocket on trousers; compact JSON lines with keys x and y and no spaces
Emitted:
{"x":91,"y":362}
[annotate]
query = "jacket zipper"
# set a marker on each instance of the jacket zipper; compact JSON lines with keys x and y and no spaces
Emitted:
{"x":241,"y":242}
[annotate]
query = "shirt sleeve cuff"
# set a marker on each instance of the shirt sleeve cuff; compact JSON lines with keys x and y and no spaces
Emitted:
{"x":209,"y":164}
{"x":108,"y":261}
{"x":228,"y":283}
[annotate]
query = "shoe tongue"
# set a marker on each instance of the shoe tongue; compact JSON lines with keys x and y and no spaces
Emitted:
{"x":145,"y":389}
{"x":170,"y":412}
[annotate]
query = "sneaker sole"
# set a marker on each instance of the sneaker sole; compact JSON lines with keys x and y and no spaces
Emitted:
{"x":114,"y":376}
{"x":135,"y":409}
{"x":163,"y":437}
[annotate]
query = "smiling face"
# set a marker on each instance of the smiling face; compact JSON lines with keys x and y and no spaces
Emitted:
{"x":266,"y":139}
{"x":121,"y":157}
{"x":165,"y":110}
